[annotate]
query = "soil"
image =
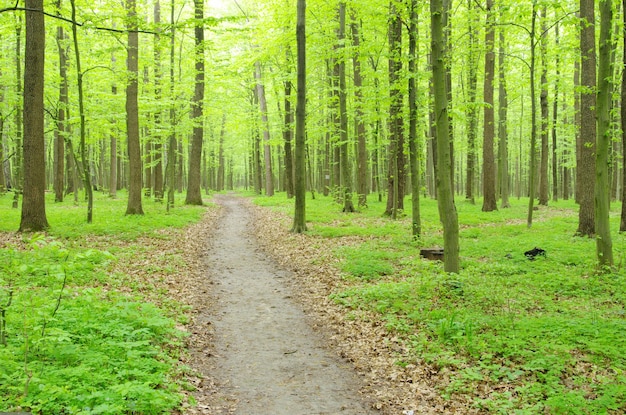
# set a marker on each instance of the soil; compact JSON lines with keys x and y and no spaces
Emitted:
{"x":256,"y":349}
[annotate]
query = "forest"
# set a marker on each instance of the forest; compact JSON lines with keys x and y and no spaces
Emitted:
{"x":365,"y":137}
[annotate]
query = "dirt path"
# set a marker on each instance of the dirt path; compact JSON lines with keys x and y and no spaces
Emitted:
{"x":267,"y":359}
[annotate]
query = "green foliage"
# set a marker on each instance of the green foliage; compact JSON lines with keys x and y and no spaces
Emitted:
{"x":548,"y":335}
{"x":73,"y":339}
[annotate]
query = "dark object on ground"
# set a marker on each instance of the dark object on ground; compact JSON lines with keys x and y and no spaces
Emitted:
{"x":534,"y":253}
{"x":434,"y":254}
{"x":508,"y":256}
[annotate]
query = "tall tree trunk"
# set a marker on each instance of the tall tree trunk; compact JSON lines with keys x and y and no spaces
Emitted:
{"x":396,"y":175}
{"x":267,"y":149}
{"x":194,"y":194}
{"x":299,"y":221}
{"x":134,"y":206}
{"x":359,"y":123}
{"x":81,"y":112}
{"x":18,"y":168}
{"x":414,"y":151}
{"x":489,"y":165}
{"x":622,"y":225}
{"x":533,"y":117}
{"x":288,"y":136}
{"x":59,"y":139}
{"x":221,"y":168}
{"x":472,"y":116}
{"x":545,"y":151}
{"x":34,"y":204}
{"x":346,"y":171}
{"x":503,"y":147}
{"x":586,"y":167}
{"x":172,"y":145}
{"x":555,"y":118}
{"x":158,"y":75}
{"x":445,"y":196}
{"x":604,"y":244}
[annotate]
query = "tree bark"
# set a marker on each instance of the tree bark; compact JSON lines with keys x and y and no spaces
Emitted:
{"x":533,"y":116}
{"x":489,"y":165}
{"x":194,"y":194}
{"x":472,"y":116}
{"x":555,"y":118}
{"x":604,"y":244}
{"x":172,"y":145}
{"x":414,"y":151}
{"x":158,"y":75}
{"x":586,"y":166}
{"x":503,"y":147}
{"x":299,"y":220}
{"x":18,"y":168}
{"x":543,"y":102}
{"x":59,"y":139}
{"x":445,"y":196}
{"x":34,"y":203}
{"x":359,"y":123}
{"x":346,"y":171}
{"x":134,"y":206}
{"x":622,"y":226}
{"x":267,"y":149}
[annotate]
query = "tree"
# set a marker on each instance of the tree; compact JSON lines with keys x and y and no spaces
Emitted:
{"x":414,"y":151}
{"x":267,"y":149}
{"x":543,"y":104}
{"x":158,"y":74}
{"x":194,"y":195}
{"x":586,"y":166}
{"x":533,"y":116}
{"x":361,"y":144}
{"x":59,"y":140}
{"x":172,"y":145}
{"x":134,"y":206}
{"x":503,"y":149}
{"x":622,"y":225}
{"x":445,"y":196}
{"x":472,"y":115}
{"x":346,"y":174}
{"x":555,"y":118}
{"x":33,"y":217}
{"x":604,"y":245}
{"x":299,"y":221}
{"x":489,"y":174}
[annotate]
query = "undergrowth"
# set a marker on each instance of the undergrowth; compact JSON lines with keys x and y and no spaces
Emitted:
{"x":72,"y":339}
{"x":546,"y":336}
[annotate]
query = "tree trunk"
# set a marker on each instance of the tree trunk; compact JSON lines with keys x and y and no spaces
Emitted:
{"x":134,"y":206}
{"x":396,"y":175}
{"x":288,"y":138}
{"x":299,"y":220}
{"x":533,"y":117}
{"x":604,"y":244}
{"x":472,"y":116}
{"x":346,"y":171}
{"x":59,"y":139}
{"x":545,"y":151}
{"x":158,"y":75}
{"x":172,"y":145}
{"x":503,"y":148}
{"x":414,"y":151}
{"x":359,"y":123}
{"x":447,"y":209}
{"x":267,"y":150}
{"x":555,"y":118}
{"x":18,"y":168}
{"x":34,"y":204}
{"x":81,"y":112}
{"x":622,"y":225}
{"x":489,"y":165}
{"x":586,"y":167}
{"x":220,"y":158}
{"x":194,"y":194}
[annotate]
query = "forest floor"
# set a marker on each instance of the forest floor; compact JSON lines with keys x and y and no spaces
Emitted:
{"x":257,"y":344}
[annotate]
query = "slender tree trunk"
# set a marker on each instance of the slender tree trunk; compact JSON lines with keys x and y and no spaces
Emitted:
{"x":622,"y":226}
{"x":83,"y":128}
{"x":472,"y":116}
{"x":134,"y":206}
{"x":158,"y":75}
{"x":220,"y":158}
{"x":545,"y":151}
{"x":503,"y":147}
{"x":359,"y":123}
{"x":59,"y":139}
{"x":288,"y":137}
{"x":533,"y":117}
{"x":604,"y":244}
{"x":170,"y":169}
{"x":194,"y":194}
{"x":555,"y":118}
{"x":396,"y":175}
{"x":447,"y":209}
{"x":34,"y":203}
{"x":586,"y":167}
{"x":414,"y":151}
{"x":346,"y":171}
{"x":299,"y":221}
{"x":489,"y":174}
{"x":18,"y":168}
{"x":267,"y":149}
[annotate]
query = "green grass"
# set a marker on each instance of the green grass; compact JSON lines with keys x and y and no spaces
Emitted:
{"x":544,"y":336}
{"x":76,"y":338}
